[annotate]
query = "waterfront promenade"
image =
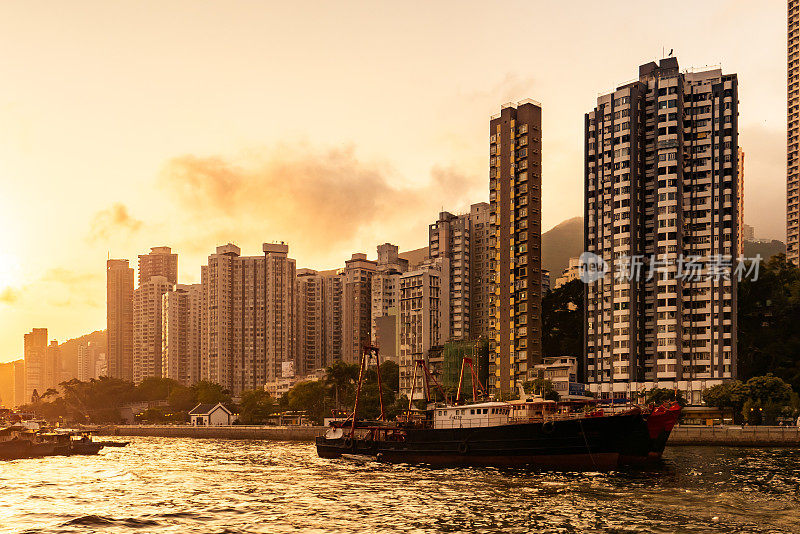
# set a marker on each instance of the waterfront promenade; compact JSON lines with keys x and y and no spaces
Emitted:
{"x":733,"y":436}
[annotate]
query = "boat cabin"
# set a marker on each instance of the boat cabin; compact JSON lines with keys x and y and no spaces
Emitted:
{"x":471,"y":415}
{"x":534,"y":409}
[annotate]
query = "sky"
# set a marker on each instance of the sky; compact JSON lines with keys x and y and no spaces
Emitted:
{"x":333,"y":126}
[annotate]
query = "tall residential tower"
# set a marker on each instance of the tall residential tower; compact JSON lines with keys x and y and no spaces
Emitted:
{"x":248,"y":324}
{"x":515,"y":195}
{"x":119,"y":317}
{"x":793,"y":135}
{"x":661,"y":172}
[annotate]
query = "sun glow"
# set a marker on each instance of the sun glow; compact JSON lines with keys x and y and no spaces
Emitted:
{"x":9,"y":270}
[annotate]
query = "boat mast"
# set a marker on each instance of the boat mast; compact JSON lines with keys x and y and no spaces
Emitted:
{"x":358,"y":395}
{"x":369,"y":350}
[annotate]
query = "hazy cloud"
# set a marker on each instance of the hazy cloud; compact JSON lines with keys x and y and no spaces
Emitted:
{"x":9,"y":296}
{"x":111,"y":222}
{"x":70,"y":277}
{"x":318,"y":200}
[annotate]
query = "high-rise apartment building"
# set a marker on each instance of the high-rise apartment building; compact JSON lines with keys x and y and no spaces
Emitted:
{"x":90,"y":356}
{"x":386,"y":300}
{"x":515,"y":195}
{"x":424,"y":316}
{"x":310,"y":320}
{"x":19,"y":383}
{"x":181,"y":313}
{"x":740,"y":211}
{"x":119,"y":318}
{"x":661,"y":190}
{"x":35,"y":362}
{"x":248,"y":316}
{"x":52,"y":365}
{"x":333,"y":312}
{"x":793,"y":134}
{"x":147,"y":327}
{"x":449,"y":237}
{"x":159,"y":262}
{"x":480,"y":271}
{"x":356,"y":306}
{"x":464,"y":241}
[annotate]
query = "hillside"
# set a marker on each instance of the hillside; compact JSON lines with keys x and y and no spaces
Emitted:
{"x":562,"y":242}
{"x":766,"y":249}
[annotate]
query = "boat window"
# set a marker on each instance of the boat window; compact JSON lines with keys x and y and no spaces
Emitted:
{"x":485,"y":410}
{"x":472,"y":412}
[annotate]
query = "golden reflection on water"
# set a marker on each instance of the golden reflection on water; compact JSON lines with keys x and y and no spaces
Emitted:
{"x":184,"y":485}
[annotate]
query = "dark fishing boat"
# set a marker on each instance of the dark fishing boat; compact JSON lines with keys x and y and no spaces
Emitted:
{"x":82,"y":443}
{"x":528,"y":432}
{"x":18,"y":442}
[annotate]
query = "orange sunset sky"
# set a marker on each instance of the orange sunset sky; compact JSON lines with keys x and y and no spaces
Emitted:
{"x":334,"y":126}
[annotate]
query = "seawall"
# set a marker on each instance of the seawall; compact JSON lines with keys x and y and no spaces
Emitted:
{"x":724,"y":436}
{"x":736,"y":436}
{"x":272,"y":433}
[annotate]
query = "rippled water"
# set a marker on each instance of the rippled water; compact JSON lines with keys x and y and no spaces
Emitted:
{"x":183,"y":485}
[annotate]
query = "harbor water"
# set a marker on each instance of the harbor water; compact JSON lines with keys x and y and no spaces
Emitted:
{"x":220,"y":486}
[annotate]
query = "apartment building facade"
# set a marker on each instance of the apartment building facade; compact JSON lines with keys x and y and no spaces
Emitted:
{"x":793,"y":133}
{"x":424,"y":316}
{"x":356,"y":306}
{"x":119,"y":319}
{"x":248,"y":323}
{"x":333,"y":313}
{"x":181,"y":330}
{"x":661,"y":172}
{"x":385,"y":309}
{"x":147,"y":346}
{"x":310,"y":318}
{"x":36,"y":362}
{"x":515,"y":179}
{"x":159,"y":262}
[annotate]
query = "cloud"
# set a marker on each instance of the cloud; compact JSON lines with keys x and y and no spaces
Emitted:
{"x":111,"y":222}
{"x":9,"y":296}
{"x":319,"y":200}
{"x":69,"y":277}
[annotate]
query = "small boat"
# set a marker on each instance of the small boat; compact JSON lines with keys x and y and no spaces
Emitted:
{"x":114,"y":443}
{"x":82,"y":444}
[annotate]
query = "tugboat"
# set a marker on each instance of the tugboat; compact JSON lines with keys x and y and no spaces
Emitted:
{"x":528,"y":432}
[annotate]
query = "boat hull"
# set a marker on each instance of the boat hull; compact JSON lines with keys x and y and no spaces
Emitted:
{"x":581,"y":443}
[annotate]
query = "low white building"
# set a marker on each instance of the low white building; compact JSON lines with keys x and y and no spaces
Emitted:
{"x":212,"y":415}
{"x":562,"y":372}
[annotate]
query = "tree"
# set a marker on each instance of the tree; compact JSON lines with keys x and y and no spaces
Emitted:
{"x":562,"y":320}
{"x":762,"y":399}
{"x":768,"y":308}
{"x":155,"y":388}
{"x":255,"y":407}
{"x":309,"y":397}
{"x":770,"y":396}
{"x":731,"y":394}
{"x":211,"y":393}
{"x":390,"y":375}
{"x":662,"y":395}
{"x":182,"y":399}
{"x":543,"y":387}
{"x":340,"y":376}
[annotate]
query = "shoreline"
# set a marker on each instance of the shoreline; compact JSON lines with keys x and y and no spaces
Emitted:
{"x":722,"y":436}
